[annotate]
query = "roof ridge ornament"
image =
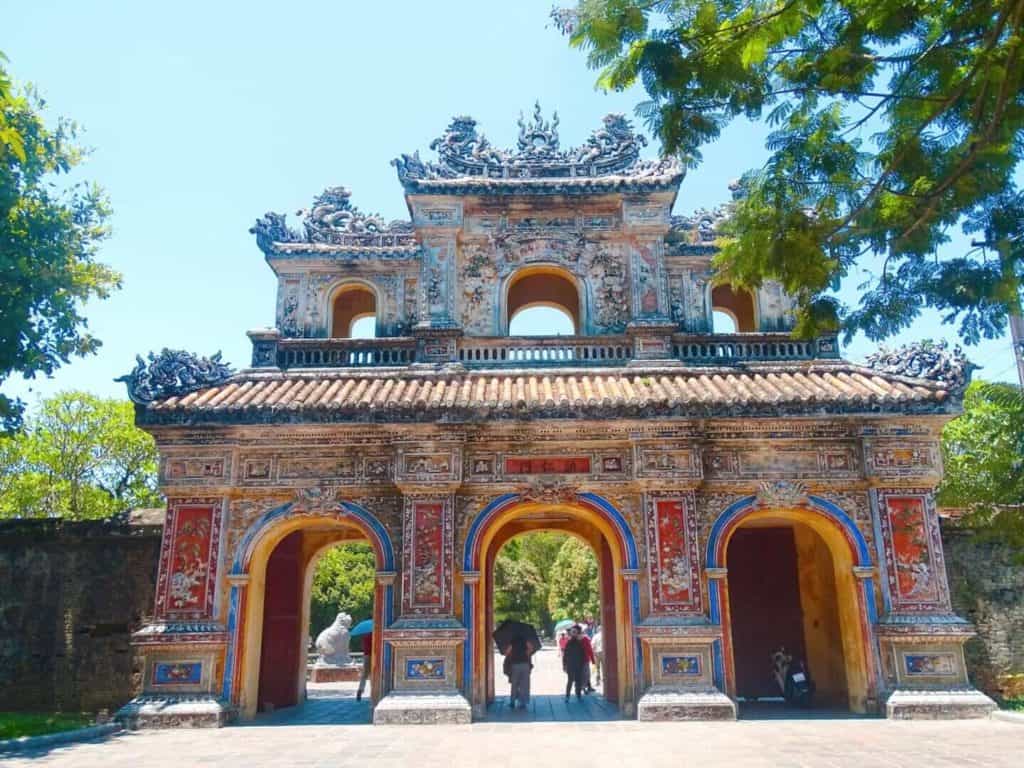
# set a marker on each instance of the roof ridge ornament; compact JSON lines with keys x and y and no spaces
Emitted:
{"x":333,"y":219}
{"x":464,"y":152}
{"x":172,"y":373}
{"x":925,"y":360}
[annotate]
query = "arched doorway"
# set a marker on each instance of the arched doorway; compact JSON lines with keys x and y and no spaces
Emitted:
{"x":353,"y":312}
{"x":732,"y":310}
{"x":586,"y":517}
{"x":543,"y":300}
{"x":272,"y":576}
{"x":798,"y":577}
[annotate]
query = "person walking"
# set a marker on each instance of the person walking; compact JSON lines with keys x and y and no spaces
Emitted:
{"x":519,"y":655}
{"x":588,"y":659}
{"x":364,"y":674}
{"x":597,"y":643}
{"x":574,"y":657}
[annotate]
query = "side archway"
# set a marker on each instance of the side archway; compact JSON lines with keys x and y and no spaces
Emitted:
{"x":852,"y":571}
{"x":247,"y":578}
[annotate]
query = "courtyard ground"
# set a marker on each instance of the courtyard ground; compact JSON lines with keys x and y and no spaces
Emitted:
{"x":331,"y":731}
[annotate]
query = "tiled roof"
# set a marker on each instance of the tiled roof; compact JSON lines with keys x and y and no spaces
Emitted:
{"x":403,"y":395}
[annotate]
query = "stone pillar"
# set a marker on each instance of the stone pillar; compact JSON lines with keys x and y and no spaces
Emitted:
{"x":677,"y":636}
{"x":921,"y":640}
{"x":424,"y":642}
{"x":184,"y":649}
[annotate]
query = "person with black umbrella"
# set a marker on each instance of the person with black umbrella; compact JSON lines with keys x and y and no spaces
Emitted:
{"x":574,"y":657}
{"x":518,"y":642}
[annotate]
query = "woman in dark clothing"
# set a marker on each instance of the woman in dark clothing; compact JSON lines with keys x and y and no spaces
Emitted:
{"x":574,"y":657}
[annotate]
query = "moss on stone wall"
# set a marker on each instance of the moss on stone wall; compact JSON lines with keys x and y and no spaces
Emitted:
{"x":71,"y":594}
{"x":986,"y":582}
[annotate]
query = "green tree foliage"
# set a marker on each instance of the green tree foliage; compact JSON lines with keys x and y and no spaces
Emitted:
{"x":520,"y":591}
{"x":575,"y":592}
{"x":344,"y":581}
{"x":522,"y":578}
{"x":893,"y":122}
{"x":49,"y":235}
{"x":80,"y":457}
{"x":983,"y":453}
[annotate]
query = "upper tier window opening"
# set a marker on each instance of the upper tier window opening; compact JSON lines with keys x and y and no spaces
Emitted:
{"x":732,"y":310}
{"x":354,"y":312}
{"x":543,"y":301}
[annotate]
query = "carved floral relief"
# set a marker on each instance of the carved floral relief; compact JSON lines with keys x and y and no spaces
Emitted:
{"x":187,"y":579}
{"x":672,"y":551}
{"x":427,"y":555}
{"x":913,"y":550}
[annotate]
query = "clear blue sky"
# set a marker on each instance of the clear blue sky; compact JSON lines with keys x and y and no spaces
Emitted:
{"x":205,"y":115}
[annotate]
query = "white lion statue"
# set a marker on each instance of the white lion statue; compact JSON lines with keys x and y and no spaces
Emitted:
{"x":332,"y":643}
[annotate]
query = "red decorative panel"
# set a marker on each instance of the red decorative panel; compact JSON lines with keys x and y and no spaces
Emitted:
{"x":551,"y":465}
{"x":427,"y":552}
{"x":187,"y":580}
{"x":672,"y":550}
{"x":913,"y":550}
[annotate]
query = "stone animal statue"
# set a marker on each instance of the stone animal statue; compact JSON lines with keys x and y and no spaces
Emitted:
{"x":332,"y":643}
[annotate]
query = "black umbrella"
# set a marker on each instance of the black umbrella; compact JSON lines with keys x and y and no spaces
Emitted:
{"x":509,"y":630}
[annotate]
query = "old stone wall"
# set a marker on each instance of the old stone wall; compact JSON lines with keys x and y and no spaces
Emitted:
{"x":986,"y":579}
{"x":71,"y":594}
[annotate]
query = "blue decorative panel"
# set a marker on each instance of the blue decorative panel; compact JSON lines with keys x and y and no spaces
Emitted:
{"x":680,"y":666}
{"x":177,"y":673}
{"x":928,"y":664}
{"x":424,"y":669}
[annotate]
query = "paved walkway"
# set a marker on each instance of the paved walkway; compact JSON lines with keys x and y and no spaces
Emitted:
{"x":329,"y":731}
{"x":547,"y":696}
{"x":817,"y":743}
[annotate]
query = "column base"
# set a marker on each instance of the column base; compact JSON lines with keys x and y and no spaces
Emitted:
{"x":422,"y":709}
{"x":949,"y":704}
{"x":175,"y":712}
{"x":662,"y":702}
{"x":329,"y":673}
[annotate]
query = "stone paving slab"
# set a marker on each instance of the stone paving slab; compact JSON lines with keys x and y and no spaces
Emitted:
{"x":818,"y":743}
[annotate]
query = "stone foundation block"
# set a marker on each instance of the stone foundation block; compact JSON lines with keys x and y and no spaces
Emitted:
{"x":950,"y":704}
{"x":175,"y":712}
{"x":422,"y":709}
{"x":331,"y":674}
{"x":666,"y":703}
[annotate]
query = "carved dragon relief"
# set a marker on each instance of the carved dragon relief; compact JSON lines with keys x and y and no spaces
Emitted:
{"x":333,"y":219}
{"x":173,"y":373}
{"x":612,"y":149}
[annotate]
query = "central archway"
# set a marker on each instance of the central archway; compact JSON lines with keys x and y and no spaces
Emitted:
{"x":586,"y":516}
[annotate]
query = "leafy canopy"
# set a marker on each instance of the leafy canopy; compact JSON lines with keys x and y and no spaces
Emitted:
{"x":574,"y":584}
{"x":893,"y":121}
{"x":983,"y":454}
{"x":522,"y":578}
{"x":49,"y":235}
{"x":80,"y":457}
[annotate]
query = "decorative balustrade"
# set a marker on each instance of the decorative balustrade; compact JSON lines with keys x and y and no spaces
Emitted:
{"x":544,"y":350}
{"x":269,"y":350}
{"x":735,"y":347}
{"x":345,"y":353}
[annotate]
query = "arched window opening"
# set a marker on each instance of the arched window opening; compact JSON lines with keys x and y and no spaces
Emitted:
{"x":353,"y":313}
{"x":541,"y":320}
{"x":738,"y":305}
{"x":543,"y":301}
{"x":723,"y":322}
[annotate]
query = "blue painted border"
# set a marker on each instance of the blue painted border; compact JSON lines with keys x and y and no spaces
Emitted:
{"x":823,"y":505}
